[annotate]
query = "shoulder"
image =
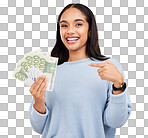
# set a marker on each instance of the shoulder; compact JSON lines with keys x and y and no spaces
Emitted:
{"x":116,"y":63}
{"x":113,"y":60}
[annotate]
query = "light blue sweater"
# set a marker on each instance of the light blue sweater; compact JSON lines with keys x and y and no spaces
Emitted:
{"x":81,"y":104}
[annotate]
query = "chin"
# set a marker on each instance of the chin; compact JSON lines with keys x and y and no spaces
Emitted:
{"x":71,"y":46}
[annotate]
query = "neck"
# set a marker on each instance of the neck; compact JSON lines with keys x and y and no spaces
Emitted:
{"x":76,"y":57}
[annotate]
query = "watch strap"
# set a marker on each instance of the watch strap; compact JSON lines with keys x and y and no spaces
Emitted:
{"x":122,"y":88}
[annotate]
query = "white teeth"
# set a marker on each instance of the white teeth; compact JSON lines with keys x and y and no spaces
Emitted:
{"x":71,"y":39}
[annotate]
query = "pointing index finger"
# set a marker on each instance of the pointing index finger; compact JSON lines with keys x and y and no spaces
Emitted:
{"x":100,"y":65}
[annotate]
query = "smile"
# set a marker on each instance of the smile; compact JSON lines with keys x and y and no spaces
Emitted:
{"x":71,"y":40}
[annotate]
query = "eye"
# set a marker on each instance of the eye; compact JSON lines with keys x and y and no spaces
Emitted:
{"x":63,"y":25}
{"x":78,"y":24}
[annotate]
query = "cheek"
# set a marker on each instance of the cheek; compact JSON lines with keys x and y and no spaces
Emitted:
{"x":85,"y":36}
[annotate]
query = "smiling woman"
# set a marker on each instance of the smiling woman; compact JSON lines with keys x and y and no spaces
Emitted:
{"x":82,"y":103}
{"x":77,"y":35}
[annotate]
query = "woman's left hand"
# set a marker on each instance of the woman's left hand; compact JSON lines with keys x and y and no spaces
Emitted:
{"x":108,"y":71}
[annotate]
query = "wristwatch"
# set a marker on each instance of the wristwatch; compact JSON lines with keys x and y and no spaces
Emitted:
{"x":122,"y":88}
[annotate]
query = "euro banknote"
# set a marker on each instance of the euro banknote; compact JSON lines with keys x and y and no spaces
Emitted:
{"x":35,"y":64}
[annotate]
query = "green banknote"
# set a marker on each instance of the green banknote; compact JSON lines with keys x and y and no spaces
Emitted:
{"x":21,"y":75}
{"x":50,"y":71}
{"x":35,"y":64}
{"x":33,"y":59}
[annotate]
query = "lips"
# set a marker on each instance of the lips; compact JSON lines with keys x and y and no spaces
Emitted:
{"x":71,"y":40}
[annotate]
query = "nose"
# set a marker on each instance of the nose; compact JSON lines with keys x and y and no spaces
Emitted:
{"x":70,"y":30}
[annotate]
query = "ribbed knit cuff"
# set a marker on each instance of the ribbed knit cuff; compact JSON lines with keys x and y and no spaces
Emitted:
{"x":37,"y":114}
{"x":119,"y":98}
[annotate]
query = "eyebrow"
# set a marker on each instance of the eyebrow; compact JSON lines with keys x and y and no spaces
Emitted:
{"x":74,"y":20}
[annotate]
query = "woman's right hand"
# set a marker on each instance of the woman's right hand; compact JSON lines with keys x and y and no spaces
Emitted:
{"x":37,"y":90}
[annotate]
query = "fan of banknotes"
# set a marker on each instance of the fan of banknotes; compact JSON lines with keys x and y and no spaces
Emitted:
{"x":35,"y":64}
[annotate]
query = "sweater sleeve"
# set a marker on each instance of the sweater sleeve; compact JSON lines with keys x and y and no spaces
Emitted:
{"x":118,"y":107}
{"x":37,"y":120}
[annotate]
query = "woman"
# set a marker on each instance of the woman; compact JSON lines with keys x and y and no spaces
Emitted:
{"x":88,"y":100}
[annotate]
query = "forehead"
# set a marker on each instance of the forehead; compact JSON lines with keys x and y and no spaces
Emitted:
{"x":71,"y":14}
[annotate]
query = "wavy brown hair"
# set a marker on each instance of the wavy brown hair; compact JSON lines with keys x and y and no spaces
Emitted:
{"x":92,"y":44}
